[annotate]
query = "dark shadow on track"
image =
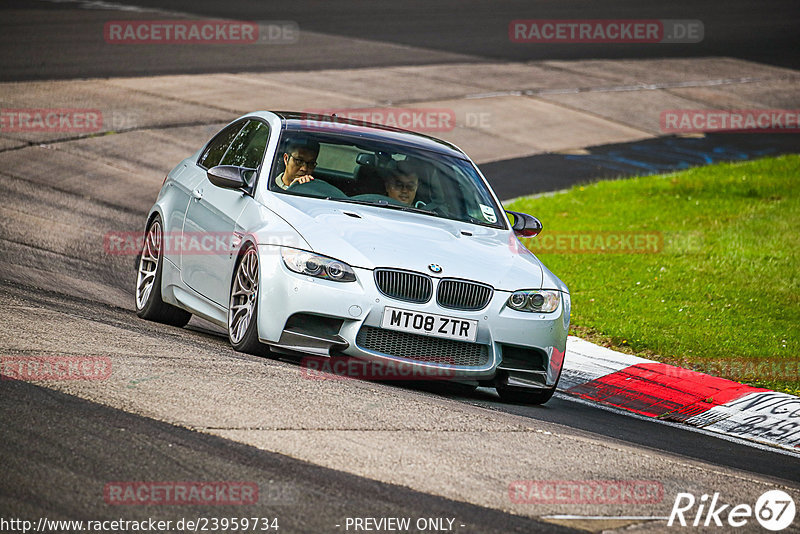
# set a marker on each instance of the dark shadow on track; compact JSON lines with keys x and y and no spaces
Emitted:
{"x":43,"y":40}
{"x":552,"y":172}
{"x":76,"y":447}
{"x":745,"y":29}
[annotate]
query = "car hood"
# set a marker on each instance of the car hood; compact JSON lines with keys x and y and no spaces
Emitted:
{"x":371,"y":236}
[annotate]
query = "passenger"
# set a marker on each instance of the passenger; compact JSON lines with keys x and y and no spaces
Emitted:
{"x":402,"y":181}
{"x":300,"y":159}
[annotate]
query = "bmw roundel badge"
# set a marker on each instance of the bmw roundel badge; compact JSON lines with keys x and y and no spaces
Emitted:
{"x":436,"y":268}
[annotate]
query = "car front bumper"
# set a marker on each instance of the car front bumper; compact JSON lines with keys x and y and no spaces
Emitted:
{"x":329,"y":319}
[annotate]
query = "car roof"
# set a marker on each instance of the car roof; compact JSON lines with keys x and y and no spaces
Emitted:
{"x":343,"y":127}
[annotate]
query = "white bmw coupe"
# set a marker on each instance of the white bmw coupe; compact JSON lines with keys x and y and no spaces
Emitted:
{"x":343,"y":240}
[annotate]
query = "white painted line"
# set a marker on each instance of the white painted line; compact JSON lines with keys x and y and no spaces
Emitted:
{"x":115,"y":6}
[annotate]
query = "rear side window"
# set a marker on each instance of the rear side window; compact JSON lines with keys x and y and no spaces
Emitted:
{"x":213,"y":153}
{"x":247,"y":150}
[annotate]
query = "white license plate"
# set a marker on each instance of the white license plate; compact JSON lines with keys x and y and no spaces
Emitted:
{"x":429,"y":324}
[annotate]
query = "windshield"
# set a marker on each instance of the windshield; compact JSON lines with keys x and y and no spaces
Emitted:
{"x":387,"y":175}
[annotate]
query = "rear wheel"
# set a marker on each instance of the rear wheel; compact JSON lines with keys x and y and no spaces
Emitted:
{"x":148,"y":281}
{"x":243,"y":307}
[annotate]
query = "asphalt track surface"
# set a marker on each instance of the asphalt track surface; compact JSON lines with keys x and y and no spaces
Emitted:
{"x":58,"y":450}
{"x":91,"y":438}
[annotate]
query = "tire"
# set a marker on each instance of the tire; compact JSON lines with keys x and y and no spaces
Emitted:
{"x":525,"y":395}
{"x":147,"y":294}
{"x":243,"y":305}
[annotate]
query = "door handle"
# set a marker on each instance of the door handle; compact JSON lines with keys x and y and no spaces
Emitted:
{"x":197,"y":194}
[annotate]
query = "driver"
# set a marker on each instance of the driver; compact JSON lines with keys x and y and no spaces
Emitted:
{"x":402,"y":181}
{"x":300,"y":159}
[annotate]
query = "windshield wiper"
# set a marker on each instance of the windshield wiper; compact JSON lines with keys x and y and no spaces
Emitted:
{"x":413,"y":209}
{"x":362,"y":202}
{"x":385,"y":204}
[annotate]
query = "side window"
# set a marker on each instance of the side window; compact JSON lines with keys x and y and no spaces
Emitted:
{"x":218,"y":146}
{"x":247,"y":150}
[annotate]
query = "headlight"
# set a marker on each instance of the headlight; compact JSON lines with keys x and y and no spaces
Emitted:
{"x":312,"y":264}
{"x":531,"y":300}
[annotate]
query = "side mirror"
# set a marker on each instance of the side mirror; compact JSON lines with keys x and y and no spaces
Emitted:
{"x":525,"y":225}
{"x":229,"y":176}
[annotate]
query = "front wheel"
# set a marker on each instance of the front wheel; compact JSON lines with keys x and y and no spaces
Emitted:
{"x":149,"y":304}
{"x":243,"y":307}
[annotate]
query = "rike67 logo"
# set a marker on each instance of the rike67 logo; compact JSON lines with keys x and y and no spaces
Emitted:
{"x":774,"y":510}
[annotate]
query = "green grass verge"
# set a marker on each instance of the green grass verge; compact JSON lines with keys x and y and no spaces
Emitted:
{"x":721,"y":295}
